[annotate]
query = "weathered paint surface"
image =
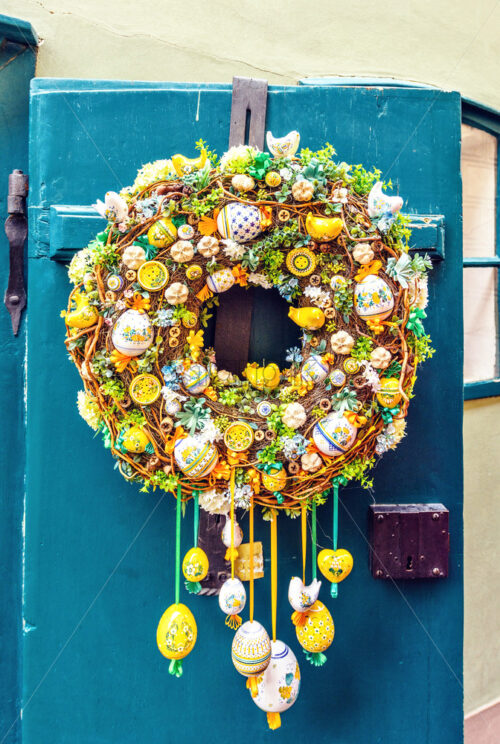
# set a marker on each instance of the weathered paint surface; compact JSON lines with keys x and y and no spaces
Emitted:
{"x":17,"y":67}
{"x":99,"y":555}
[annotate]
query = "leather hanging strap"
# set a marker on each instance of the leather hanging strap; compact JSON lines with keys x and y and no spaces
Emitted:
{"x":234,"y":314}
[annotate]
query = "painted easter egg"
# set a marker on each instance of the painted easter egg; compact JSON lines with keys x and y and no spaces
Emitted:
{"x":273,"y":179}
{"x":337,"y":377}
{"x":335,"y":565}
{"x":232,"y":597}
{"x":388,"y":394}
{"x":162,"y":233}
{"x":239,"y":222}
{"x":132,"y":333}
{"x":220,"y":281}
{"x":196,"y":378}
{"x":314,"y":369}
{"x":373,"y":298}
{"x":152,"y":275}
{"x":185,"y":232}
{"x":194,"y":272}
{"x":195,"y":565}
{"x":278,"y":687}
{"x":226,"y":534}
{"x":338,"y":282}
{"x":351,"y":365}
{"x":334,"y":435}
{"x":238,"y":436}
{"x":114,"y":282}
{"x":176,"y":632}
{"x":195,"y":457}
{"x":144,"y":389}
{"x":251,"y":649}
{"x":275,"y":479}
{"x":135,"y":440}
{"x":316,"y":633}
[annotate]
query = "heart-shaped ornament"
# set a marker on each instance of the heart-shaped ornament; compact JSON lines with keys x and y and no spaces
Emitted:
{"x":335,"y":565}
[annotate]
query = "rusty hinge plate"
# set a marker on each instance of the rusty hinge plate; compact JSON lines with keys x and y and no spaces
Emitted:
{"x":409,"y":541}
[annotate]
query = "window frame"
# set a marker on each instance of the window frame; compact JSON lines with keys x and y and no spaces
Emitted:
{"x":487,"y":119}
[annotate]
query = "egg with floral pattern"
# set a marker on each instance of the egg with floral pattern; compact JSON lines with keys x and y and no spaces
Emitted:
{"x":176,"y":632}
{"x":239,"y":222}
{"x":232,"y":597}
{"x":315,"y":635}
{"x":334,"y":435}
{"x":278,"y":687}
{"x":251,"y":649}
{"x":132,"y":333}
{"x":195,"y":565}
{"x":195,"y":457}
{"x":314,"y":369}
{"x":373,"y":298}
{"x":196,"y":378}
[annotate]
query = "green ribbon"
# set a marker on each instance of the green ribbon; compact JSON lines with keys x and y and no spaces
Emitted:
{"x":196,"y":518}
{"x":268,"y":467}
{"x":338,"y":481}
{"x":389,"y":413}
{"x":313,"y":539}
{"x":278,"y":496}
{"x":414,"y":323}
{"x":315,"y":658}
{"x":175,"y":667}
{"x":261,"y":164}
{"x":178,"y":547}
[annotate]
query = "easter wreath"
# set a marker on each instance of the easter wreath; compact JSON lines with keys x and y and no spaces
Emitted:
{"x":333,"y":244}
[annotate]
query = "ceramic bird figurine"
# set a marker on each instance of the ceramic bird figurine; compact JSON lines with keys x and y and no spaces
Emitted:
{"x":302,"y":597}
{"x":323,"y":228}
{"x":183,"y":165}
{"x":83,"y":315}
{"x":310,"y":318}
{"x":262,"y":377}
{"x":383,"y":207}
{"x":283,"y":147}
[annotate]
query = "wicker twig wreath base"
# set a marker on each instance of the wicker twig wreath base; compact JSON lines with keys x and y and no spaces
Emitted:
{"x":335,"y":247}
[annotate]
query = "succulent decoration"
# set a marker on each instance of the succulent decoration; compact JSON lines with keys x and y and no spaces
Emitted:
{"x":331,"y":241}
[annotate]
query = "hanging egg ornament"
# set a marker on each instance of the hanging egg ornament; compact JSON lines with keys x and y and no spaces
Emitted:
{"x":195,"y":457}
{"x":226,"y":539}
{"x":373,"y":298}
{"x":239,"y":222}
{"x":335,"y":565}
{"x":176,"y":635}
{"x":316,"y":633}
{"x":132,"y":333}
{"x":278,"y":687}
{"x":144,"y":389}
{"x":389,"y":394}
{"x":220,"y":281}
{"x":334,"y":435}
{"x":251,"y":652}
{"x":135,"y":440}
{"x":314,"y":369}
{"x":232,"y":600}
{"x":195,"y":568}
{"x":162,"y":233}
{"x":196,"y":379}
{"x":274,"y":479}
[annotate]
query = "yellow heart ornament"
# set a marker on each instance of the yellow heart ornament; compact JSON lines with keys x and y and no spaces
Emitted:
{"x":335,"y":565}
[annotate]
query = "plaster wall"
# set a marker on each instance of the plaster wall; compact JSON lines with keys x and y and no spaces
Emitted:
{"x":452,"y":44}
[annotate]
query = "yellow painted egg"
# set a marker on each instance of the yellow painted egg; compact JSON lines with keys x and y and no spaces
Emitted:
{"x":275,"y":480}
{"x":194,"y":272}
{"x":273,"y":179}
{"x":251,"y":649}
{"x":373,"y":298}
{"x":144,"y":389}
{"x":190,"y":319}
{"x":316,"y":634}
{"x":176,"y":632}
{"x":132,"y":333}
{"x":220,"y":281}
{"x":195,"y":565}
{"x":334,"y":435}
{"x":238,"y":436}
{"x":135,"y":440}
{"x":388,"y":394}
{"x":195,"y":457}
{"x":162,"y":233}
{"x":335,"y":565}
{"x":301,"y":261}
{"x":152,"y":275}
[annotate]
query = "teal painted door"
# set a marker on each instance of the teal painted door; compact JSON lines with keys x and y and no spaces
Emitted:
{"x":99,"y":554}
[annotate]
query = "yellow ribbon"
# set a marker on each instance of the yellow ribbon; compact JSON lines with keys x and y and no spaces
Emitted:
{"x":250,"y":519}
{"x":366,"y":269}
{"x":303,"y":518}
{"x":355,"y":419}
{"x":274,"y":572}
{"x":232,"y":523}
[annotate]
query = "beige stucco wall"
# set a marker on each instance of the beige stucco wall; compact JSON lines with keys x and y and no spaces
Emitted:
{"x":450,"y":43}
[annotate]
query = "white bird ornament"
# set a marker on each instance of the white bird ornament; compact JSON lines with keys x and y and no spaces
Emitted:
{"x":283,"y":147}
{"x":383,"y":207}
{"x":302,"y":597}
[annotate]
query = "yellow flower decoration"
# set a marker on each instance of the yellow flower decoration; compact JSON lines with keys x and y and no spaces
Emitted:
{"x":240,"y":275}
{"x":139,"y":303}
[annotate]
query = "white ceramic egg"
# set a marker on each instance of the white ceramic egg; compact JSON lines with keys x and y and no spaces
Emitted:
{"x":314,"y":369}
{"x":220,"y":281}
{"x":334,"y":435}
{"x":232,"y":597}
{"x":196,"y":378}
{"x":278,"y":687}
{"x":132,"y":333}
{"x":373,"y":298}
{"x":239,"y":222}
{"x":195,"y":457}
{"x":251,"y":649}
{"x":226,"y":534}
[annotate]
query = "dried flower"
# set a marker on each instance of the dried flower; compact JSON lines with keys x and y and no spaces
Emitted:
{"x":233,"y":250}
{"x":380,"y":358}
{"x":182,"y":251}
{"x":363,"y":253}
{"x":88,"y":409}
{"x":133,"y":256}
{"x":302,"y":190}
{"x":294,"y":415}
{"x":241,"y":182}
{"x":177,"y":293}
{"x":214,"y":501}
{"x":311,"y":462}
{"x":342,"y":342}
{"x":208,"y":246}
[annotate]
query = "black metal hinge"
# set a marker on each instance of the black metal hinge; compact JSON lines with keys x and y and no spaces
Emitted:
{"x":16,"y":229}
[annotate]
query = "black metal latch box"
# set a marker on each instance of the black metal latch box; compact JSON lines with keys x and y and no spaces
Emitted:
{"x":409,"y":541}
